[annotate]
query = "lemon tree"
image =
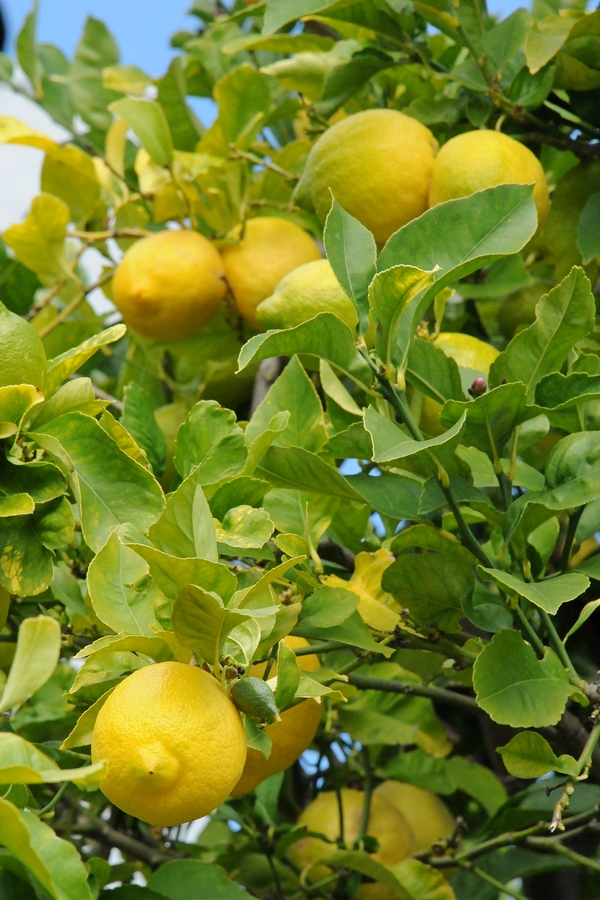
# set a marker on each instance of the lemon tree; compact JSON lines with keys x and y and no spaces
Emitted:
{"x":298,"y":521}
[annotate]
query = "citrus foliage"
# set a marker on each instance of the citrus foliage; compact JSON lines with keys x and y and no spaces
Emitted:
{"x":385,"y":551}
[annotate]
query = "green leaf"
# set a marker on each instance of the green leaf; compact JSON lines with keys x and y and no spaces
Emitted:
{"x":288,"y":676}
{"x":588,"y":233}
{"x":503,"y":40}
{"x":54,"y":862}
{"x":325,"y":336}
{"x":445,"y":776}
{"x":173,"y":573}
{"x":147,"y":120}
{"x":25,"y":564}
{"x":16,"y":400}
{"x":529,"y":755}
{"x":186,"y":528}
{"x":184,"y":127}
{"x":327,"y":606}
{"x":95,"y":51}
{"x":139,"y":420}
{"x":545,"y":39}
{"x":433,"y":373}
{"x":549,"y":594}
{"x":36,"y":656}
{"x":292,"y":391}
{"x":293,"y":467}
{"x":107,"y":665}
{"x":125,"y":80}
{"x":421,"y":882}
{"x":182,"y":879}
{"x":390,"y":442}
{"x":352,"y":252}
{"x":74,"y":396}
{"x":202,"y":623}
{"x":390,"y":295}
{"x":83,"y":732}
{"x":492,"y":416}
{"x":456,"y":238}
{"x":210,"y":439}
{"x":71,"y":360}
{"x":39,"y":241}
{"x":243,"y":98}
{"x":431,"y":586}
{"x":27,"y":51}
{"x":391,"y":495}
{"x":22,"y":763}
{"x":564,"y":316}
{"x":16,"y":505}
{"x":359,"y":861}
{"x":69,"y":174}
{"x":515,"y":688}
{"x":241,"y":491}
{"x":573,"y":472}
{"x":243,"y":528}
{"x":122,"y":592}
{"x":111,"y":489}
{"x":582,"y":618}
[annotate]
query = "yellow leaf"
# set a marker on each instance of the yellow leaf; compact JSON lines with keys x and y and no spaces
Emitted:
{"x":39,"y":241}
{"x":377,"y":608}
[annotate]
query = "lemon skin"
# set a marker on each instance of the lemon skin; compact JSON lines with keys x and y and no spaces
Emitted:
{"x":269,"y":248}
{"x":377,"y":164}
{"x":290,"y":737}
{"x":428,"y":817}
{"x":174,"y":742}
{"x":481,"y":159}
{"x":304,"y":293}
{"x":169,"y":285}
{"x":386,"y":823}
{"x":22,"y":355}
{"x":468,"y":352}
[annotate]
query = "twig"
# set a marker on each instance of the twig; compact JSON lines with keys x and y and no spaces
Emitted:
{"x":73,"y":305}
{"x":236,"y":153}
{"x":94,"y":237}
{"x":366,"y":683}
{"x":113,"y":838}
{"x":565,"y":556}
{"x":489,"y":879}
{"x":368,"y":792}
{"x":555,"y":846}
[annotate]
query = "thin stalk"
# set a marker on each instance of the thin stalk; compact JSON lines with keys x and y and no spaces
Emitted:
{"x":586,"y":755}
{"x":489,"y":879}
{"x":469,"y":539}
{"x":505,"y":489}
{"x":534,"y":638}
{"x":366,"y":683}
{"x":558,"y":646}
{"x":513,"y":454}
{"x":565,"y":556}
{"x":50,"y":806}
{"x":73,"y":305}
{"x":368,"y":792}
{"x":556,"y":847}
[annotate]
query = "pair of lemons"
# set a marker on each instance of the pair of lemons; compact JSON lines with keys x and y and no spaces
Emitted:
{"x":381,"y":165}
{"x":176,"y":746}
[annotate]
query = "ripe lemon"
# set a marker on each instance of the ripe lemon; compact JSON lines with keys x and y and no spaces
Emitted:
{"x":308,"y":290}
{"x":22,"y":355}
{"x":169,"y":285}
{"x":377,"y":164}
{"x":386,"y":823}
{"x":428,"y":817}
{"x":269,"y":249}
{"x":290,"y":737}
{"x":174,"y":741}
{"x":468,"y":352}
{"x":481,"y":159}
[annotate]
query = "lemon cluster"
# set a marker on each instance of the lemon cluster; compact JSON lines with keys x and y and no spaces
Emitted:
{"x":382,"y":166}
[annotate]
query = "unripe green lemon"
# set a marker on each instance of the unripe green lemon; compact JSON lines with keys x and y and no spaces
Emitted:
{"x":22,"y":355}
{"x":481,"y":159}
{"x":377,"y":164}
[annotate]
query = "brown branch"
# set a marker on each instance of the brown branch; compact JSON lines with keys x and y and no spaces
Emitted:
{"x":113,"y":838}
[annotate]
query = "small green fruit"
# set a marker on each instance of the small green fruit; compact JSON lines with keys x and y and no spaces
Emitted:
{"x":254,"y":697}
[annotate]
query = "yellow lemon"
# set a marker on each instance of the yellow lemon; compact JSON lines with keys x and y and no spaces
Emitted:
{"x":428,"y":817}
{"x":169,"y":285}
{"x":290,"y":737}
{"x":468,"y":352}
{"x":22,"y":355}
{"x":386,"y":823}
{"x":174,"y":742}
{"x":377,"y":164}
{"x":269,"y":249}
{"x":482,"y":159}
{"x":302,"y":294}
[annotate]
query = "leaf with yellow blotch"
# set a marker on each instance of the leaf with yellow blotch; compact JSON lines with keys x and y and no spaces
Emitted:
{"x":39,"y":241}
{"x":376,"y":607}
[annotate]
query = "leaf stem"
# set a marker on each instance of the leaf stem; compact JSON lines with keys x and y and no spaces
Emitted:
{"x":368,"y":792}
{"x":534,"y":638}
{"x":586,"y":755}
{"x":558,"y":646}
{"x":539,"y":843}
{"x":565,"y":555}
{"x":50,"y":806}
